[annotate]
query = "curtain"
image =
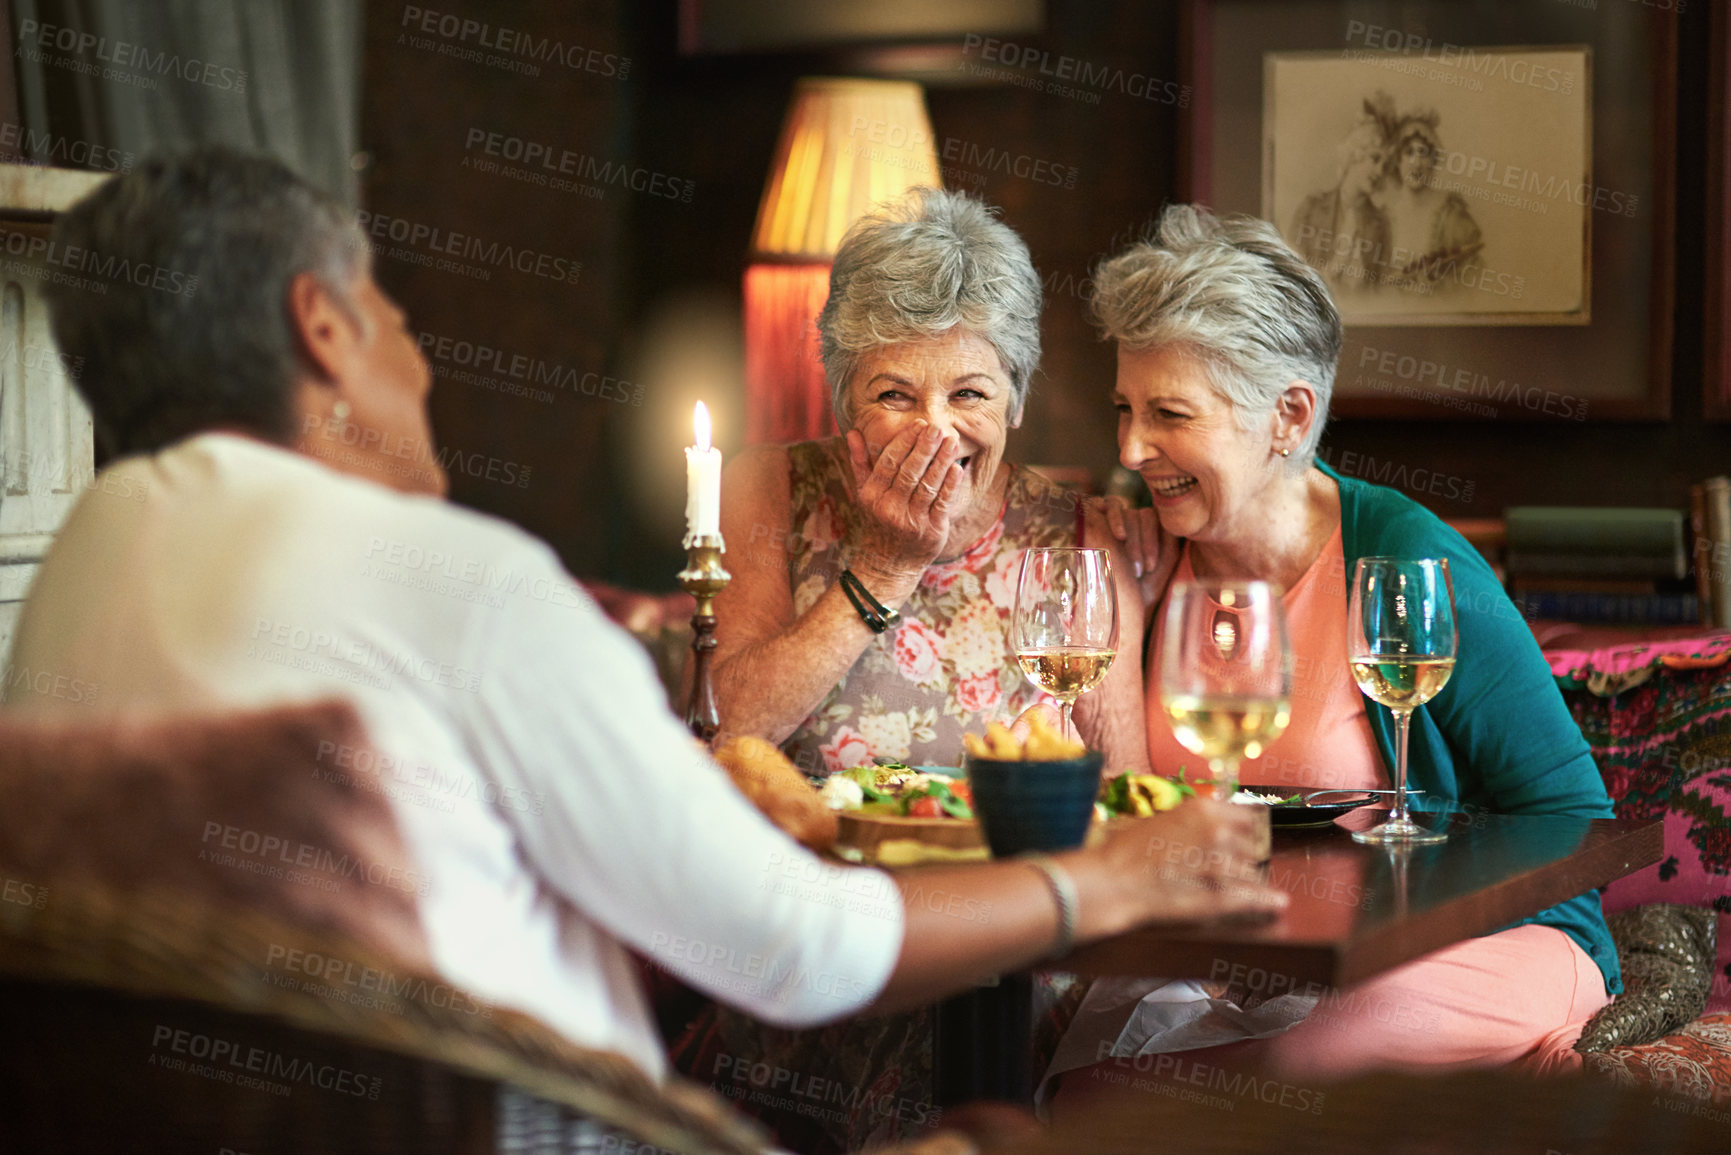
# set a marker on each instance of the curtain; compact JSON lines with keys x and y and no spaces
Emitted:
{"x":132,"y":77}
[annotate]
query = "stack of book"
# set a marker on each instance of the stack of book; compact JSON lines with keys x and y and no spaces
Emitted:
{"x":1710,"y":517}
{"x":1602,"y":565}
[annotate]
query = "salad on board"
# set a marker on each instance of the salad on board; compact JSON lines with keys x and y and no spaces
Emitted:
{"x":897,"y":790}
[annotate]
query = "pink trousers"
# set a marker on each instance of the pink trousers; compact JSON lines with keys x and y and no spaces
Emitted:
{"x":1518,"y":998}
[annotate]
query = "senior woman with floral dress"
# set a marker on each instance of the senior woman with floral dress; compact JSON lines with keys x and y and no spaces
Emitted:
{"x":930,"y":337}
{"x":1227,"y":344}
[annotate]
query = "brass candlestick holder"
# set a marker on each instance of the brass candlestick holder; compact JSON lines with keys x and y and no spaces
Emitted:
{"x":703,"y":577}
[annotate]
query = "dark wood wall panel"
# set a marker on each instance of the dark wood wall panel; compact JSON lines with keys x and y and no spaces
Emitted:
{"x":467,"y":127}
{"x":657,"y":304}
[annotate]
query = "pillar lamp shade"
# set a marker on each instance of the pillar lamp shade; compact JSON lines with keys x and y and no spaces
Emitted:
{"x":846,"y":146}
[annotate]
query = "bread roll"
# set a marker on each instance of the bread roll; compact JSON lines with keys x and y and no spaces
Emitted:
{"x":776,"y":787}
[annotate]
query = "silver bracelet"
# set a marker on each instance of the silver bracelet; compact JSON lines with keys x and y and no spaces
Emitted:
{"x":1063,"y":889}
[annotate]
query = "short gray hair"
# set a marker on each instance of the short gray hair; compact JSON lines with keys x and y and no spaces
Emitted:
{"x":208,"y":340}
{"x":1231,"y":292}
{"x":915,"y":269}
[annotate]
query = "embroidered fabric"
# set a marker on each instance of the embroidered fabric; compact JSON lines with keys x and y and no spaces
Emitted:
{"x":1666,"y":951}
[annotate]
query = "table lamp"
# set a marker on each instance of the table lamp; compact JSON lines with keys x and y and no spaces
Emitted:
{"x":846,"y":145}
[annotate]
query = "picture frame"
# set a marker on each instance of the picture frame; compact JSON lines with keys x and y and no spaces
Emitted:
{"x":1608,"y":359}
{"x":1399,"y":189}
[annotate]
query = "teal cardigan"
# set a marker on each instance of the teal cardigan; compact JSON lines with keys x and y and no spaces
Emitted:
{"x":1498,"y":737}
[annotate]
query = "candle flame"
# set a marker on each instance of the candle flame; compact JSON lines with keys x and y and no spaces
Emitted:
{"x":700,"y":422}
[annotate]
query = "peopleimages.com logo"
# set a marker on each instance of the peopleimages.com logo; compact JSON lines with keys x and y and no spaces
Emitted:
{"x":546,"y":164}
{"x":1069,"y":76}
{"x":105,"y":267}
{"x":121,"y":60}
{"x":42,"y":147}
{"x":440,"y":243}
{"x":479,"y":42}
{"x":231,"y":1061}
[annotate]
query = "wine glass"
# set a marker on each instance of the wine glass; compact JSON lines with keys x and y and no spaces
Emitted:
{"x":1065,"y":627}
{"x":1225,"y":672}
{"x":1401,"y":639}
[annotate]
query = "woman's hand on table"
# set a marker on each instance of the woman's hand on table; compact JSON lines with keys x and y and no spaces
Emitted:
{"x":1190,"y":864}
{"x":907,"y":500}
{"x":1152,"y":550}
{"x":1193,"y":864}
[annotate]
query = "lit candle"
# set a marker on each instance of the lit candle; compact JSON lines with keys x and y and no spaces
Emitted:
{"x":702,"y":481}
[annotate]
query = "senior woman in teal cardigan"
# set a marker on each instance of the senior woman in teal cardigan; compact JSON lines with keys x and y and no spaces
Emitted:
{"x":1227,"y":344}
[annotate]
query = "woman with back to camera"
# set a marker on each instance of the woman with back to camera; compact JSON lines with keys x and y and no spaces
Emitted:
{"x":276,"y":426}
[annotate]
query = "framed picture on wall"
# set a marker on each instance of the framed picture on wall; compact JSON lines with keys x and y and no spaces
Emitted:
{"x":1404,"y":192}
{"x":1487,"y":189}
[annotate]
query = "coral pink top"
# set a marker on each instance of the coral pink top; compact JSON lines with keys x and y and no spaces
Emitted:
{"x":1329,"y":743}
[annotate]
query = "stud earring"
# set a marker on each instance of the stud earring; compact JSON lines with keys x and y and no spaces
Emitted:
{"x":339,"y":416}
{"x":1286,"y":453}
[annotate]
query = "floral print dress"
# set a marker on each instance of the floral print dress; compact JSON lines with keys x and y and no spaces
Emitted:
{"x":948,"y":668}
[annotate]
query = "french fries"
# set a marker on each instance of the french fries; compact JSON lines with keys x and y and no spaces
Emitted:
{"x":1044,"y":744}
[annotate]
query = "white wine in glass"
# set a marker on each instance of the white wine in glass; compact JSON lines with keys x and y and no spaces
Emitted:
{"x":1401,"y":642}
{"x":1226,"y":728}
{"x":1065,"y":625}
{"x":1225,"y":672}
{"x":1068,"y":672}
{"x":1403,"y":685}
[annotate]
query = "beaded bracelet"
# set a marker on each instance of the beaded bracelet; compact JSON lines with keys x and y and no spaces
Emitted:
{"x":1063,"y":889}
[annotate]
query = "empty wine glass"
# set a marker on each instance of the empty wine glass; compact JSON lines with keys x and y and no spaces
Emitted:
{"x":1225,"y":672}
{"x":1401,"y":639}
{"x":1065,"y":626}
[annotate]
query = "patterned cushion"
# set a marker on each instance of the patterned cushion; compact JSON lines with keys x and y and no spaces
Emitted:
{"x":1663,"y":745}
{"x":248,"y":811}
{"x":1694,"y":1063}
{"x":1694,"y":869}
{"x":1666,"y":953}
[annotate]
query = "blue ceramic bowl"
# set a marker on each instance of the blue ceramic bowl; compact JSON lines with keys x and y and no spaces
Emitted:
{"x":1029,"y":806}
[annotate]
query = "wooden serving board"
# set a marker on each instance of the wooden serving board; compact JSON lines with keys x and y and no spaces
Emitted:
{"x":863,"y":832}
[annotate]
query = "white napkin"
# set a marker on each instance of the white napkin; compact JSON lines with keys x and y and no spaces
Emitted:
{"x":1126,"y":1017}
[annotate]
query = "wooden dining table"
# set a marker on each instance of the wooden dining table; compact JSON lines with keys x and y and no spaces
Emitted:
{"x":1356,"y":911}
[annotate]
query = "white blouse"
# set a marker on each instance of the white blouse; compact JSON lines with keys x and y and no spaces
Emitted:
{"x":555,"y":810}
